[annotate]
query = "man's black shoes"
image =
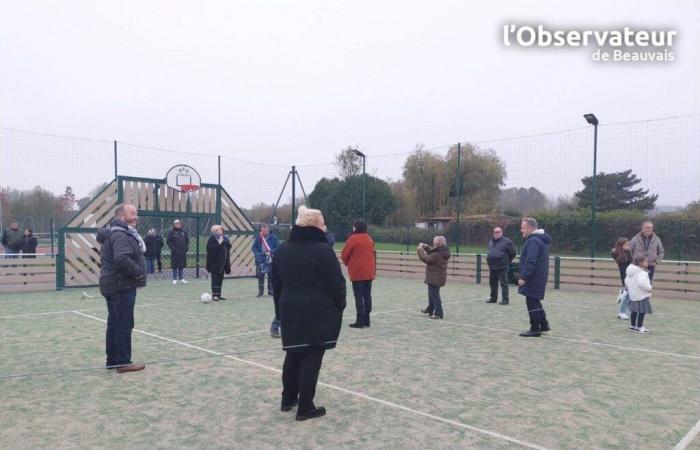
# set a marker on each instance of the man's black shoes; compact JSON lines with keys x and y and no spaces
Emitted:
{"x":311,"y":414}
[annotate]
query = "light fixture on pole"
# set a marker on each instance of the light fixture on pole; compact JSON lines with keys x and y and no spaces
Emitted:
{"x":364,"y":182}
{"x":593,"y":120}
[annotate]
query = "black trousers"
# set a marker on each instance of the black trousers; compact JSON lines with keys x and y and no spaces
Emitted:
{"x":363,"y":300}
{"x":120,"y":322}
{"x":496,"y":277}
{"x":299,"y":377}
{"x":651,"y":270}
{"x":217,"y":280}
{"x":159,"y":262}
{"x":538,"y":318}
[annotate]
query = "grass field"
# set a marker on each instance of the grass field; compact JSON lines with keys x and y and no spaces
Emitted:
{"x":213,"y":374}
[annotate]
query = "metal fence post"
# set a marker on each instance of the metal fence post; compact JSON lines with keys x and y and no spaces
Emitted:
{"x":557,"y":271}
{"x":52,"y":237}
{"x":478,"y":268}
{"x":60,"y":262}
{"x":199,"y":235}
{"x":408,"y":237}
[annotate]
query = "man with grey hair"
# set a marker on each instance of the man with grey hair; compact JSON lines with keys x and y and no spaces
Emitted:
{"x":122,"y":271}
{"x":12,"y":240}
{"x":648,"y":243}
{"x":534,"y":270}
{"x":501,"y":253}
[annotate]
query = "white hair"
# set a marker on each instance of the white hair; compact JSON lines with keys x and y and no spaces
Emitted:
{"x":440,"y":241}
{"x":215,"y":228}
{"x":307,"y":217}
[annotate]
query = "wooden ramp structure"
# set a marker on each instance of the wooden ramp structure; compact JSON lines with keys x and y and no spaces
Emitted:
{"x":78,"y":262}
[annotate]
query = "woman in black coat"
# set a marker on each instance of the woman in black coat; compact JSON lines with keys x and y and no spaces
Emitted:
{"x":218,"y":260}
{"x":309,"y":299}
{"x":29,"y":243}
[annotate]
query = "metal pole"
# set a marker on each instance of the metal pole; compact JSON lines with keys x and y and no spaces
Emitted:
{"x":197,"y":247}
{"x":364,"y":189}
{"x":408,"y":237}
{"x":595,"y":189}
{"x":459,"y":190}
{"x":294,"y":193}
{"x":218,"y":159}
{"x":52,"y":225}
{"x":115,"y":159}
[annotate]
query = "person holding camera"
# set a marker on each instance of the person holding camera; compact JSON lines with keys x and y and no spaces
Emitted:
{"x":435,"y":258}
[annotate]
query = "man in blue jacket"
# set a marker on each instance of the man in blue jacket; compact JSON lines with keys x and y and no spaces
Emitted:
{"x":534,"y":269}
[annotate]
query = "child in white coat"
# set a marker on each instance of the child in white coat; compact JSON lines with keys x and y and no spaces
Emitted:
{"x":639,"y":290}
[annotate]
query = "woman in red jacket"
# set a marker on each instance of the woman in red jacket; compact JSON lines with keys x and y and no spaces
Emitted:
{"x":359,"y":254}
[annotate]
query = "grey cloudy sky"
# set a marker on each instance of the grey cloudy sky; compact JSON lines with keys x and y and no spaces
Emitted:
{"x":292,"y":82}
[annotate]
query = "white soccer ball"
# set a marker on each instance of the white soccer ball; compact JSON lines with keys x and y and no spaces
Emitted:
{"x":205,"y":297}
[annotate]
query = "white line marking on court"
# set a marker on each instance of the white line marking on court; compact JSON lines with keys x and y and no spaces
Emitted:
{"x":688,"y":438}
{"x":340,"y":389}
{"x":578,"y":341}
{"x":91,"y":309}
{"x":226,"y":336}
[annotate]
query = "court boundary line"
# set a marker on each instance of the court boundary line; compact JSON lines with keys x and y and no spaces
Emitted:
{"x":68,"y":311}
{"x":339,"y":389}
{"x":688,"y":438}
{"x":578,"y":341}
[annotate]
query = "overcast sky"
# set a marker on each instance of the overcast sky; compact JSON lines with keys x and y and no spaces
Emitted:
{"x":292,"y":82}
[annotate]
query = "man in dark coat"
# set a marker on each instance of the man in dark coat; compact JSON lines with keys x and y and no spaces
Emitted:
{"x":501,"y":253}
{"x":12,"y":240}
{"x":122,"y":271}
{"x":309,"y":301}
{"x":218,"y":260}
{"x":534,"y":270}
{"x":154,"y":246}
{"x":29,"y":244}
{"x":178,"y":242}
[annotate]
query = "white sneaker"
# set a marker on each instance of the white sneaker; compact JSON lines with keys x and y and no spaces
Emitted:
{"x":623,"y":316}
{"x":643,"y":330}
{"x":633,"y":328}
{"x":183,"y":281}
{"x":174,"y":281}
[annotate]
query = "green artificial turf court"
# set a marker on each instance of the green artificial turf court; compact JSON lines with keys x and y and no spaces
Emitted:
{"x":213,"y":374}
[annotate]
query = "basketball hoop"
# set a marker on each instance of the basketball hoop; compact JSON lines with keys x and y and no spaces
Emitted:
{"x":187,"y":188}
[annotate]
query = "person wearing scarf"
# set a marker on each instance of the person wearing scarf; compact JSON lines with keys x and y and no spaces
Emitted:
{"x":218,"y":260}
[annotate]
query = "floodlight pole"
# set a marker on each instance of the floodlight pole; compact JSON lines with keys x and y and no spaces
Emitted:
{"x":595,"y":188}
{"x":459,"y":188}
{"x":294,"y":193}
{"x":116,"y":159}
{"x":593,"y":120}
{"x":364,"y":183}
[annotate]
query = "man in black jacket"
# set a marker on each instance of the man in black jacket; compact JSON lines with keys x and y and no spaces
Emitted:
{"x":501,"y":253}
{"x":123,"y":270}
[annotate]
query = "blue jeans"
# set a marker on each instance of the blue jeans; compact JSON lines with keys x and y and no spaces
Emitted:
{"x":178,"y":274}
{"x":11,"y":253}
{"x":624,"y":305}
{"x":120,"y":322}
{"x":434,"y":301}
{"x":149,"y":263}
